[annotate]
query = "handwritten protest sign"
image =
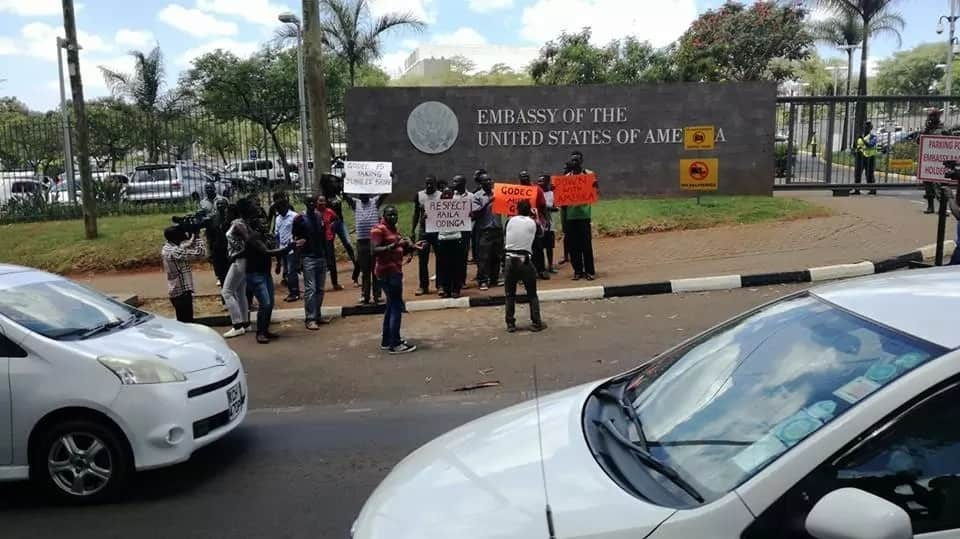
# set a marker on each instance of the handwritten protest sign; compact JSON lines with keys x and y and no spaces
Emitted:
{"x":448,"y":215}
{"x":575,"y":189}
{"x":367,"y":177}
{"x":507,"y":195}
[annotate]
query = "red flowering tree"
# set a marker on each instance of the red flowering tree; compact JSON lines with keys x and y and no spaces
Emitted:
{"x":739,"y":43}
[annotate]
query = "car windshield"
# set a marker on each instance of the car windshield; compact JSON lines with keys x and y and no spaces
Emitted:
{"x":725,"y":405}
{"x":63,"y":310}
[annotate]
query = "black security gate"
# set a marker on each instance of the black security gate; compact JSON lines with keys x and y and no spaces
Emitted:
{"x":816,"y":135}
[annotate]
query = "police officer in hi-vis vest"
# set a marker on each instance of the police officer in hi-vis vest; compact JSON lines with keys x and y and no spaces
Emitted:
{"x":866,"y":148}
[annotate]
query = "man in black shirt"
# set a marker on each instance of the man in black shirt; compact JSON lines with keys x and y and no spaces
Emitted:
{"x":310,"y":239}
{"x":259,"y":259}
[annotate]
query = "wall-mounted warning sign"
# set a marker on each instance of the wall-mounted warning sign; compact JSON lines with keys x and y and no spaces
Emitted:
{"x":698,"y":137}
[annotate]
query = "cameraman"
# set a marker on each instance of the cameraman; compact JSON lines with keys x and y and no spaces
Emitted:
{"x":177,"y":257}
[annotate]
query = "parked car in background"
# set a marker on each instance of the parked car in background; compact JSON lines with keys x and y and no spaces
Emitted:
{"x":170,"y":182}
{"x":21,"y":188}
{"x":60,"y":194}
{"x":92,"y":390}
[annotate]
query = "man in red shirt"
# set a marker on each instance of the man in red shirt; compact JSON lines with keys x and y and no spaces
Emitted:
{"x":388,"y":248}
{"x":329,"y":221}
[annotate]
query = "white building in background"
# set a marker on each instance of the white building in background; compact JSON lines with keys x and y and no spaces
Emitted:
{"x":428,"y":60}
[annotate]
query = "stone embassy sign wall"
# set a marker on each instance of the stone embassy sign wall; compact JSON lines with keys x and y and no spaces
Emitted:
{"x":632,"y":136}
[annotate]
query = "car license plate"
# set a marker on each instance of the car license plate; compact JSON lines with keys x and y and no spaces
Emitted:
{"x":235,"y":400}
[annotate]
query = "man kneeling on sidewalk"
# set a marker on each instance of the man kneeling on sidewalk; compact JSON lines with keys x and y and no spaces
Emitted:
{"x":518,"y":250}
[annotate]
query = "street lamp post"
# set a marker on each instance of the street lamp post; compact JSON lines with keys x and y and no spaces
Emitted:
{"x":948,"y":84}
{"x":846,"y":106}
{"x":67,"y":148}
{"x":290,"y":18}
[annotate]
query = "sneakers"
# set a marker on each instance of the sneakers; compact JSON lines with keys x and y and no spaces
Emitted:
{"x":403,"y":349}
{"x":484,"y":286}
{"x":536,"y":328}
{"x":589,"y":276}
{"x":577,"y":277}
{"x":313,"y":325}
{"x":234,"y":332}
{"x":420,"y":292}
{"x":291,"y":298}
{"x":511,"y":328}
{"x":337,"y":287}
{"x":403,"y":342}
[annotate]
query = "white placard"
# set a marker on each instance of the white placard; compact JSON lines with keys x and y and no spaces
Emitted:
{"x":367,"y":177}
{"x":448,"y":215}
{"x":934,"y":150}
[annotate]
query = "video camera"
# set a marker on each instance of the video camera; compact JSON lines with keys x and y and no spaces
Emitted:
{"x":193,"y":223}
{"x":952,"y":173}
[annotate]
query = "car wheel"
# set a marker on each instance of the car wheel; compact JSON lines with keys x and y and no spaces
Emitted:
{"x":81,"y":461}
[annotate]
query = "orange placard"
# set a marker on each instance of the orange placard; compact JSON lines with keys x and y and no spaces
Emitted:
{"x":507,"y":195}
{"x":574,"y":190}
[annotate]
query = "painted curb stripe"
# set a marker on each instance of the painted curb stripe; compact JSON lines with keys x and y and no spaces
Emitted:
{"x":897,"y":262}
{"x":841,"y":271}
{"x":570,"y":294}
{"x":783,"y":277}
{"x":648,"y":289}
{"x":438,"y":304}
{"x":701,"y":284}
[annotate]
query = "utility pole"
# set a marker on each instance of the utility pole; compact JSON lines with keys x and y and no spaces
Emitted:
{"x":65,"y":117}
{"x":948,"y":84}
{"x":316,"y":92}
{"x":83,"y":148}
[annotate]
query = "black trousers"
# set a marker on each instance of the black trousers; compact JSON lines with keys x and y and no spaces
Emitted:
{"x":424,"y":258}
{"x":451,"y":267}
{"x":865,"y":165}
{"x":183,"y":306}
{"x":539,"y":263}
{"x":520,"y":270}
{"x":332,"y":262}
{"x":365,"y":266}
{"x":489,"y":255}
{"x":581,"y":246}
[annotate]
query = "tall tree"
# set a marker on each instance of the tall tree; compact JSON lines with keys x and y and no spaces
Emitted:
{"x":113,"y":129}
{"x":144,"y":89}
{"x":316,"y":94}
{"x":258,"y":89}
{"x":913,"y":72}
{"x":353,"y":34}
{"x":870,"y":13}
{"x":572,"y":59}
{"x":737,"y":43}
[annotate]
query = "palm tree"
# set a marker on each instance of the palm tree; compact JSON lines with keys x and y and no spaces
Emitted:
{"x":351,"y":32}
{"x":875,"y":16}
{"x":143,"y":88}
{"x":844,"y":30}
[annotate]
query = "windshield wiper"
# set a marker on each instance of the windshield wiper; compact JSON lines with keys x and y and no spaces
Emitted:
{"x":106,"y":326}
{"x":628,"y":410}
{"x":649,"y":460}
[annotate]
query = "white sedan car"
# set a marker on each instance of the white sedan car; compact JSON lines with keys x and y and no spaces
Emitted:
{"x":832,"y":413}
{"x":92,"y":389}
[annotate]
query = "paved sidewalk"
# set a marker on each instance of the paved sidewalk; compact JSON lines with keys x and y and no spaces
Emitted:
{"x":862,"y":228}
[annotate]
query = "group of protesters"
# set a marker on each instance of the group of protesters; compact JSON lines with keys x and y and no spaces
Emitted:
{"x":244,"y":242}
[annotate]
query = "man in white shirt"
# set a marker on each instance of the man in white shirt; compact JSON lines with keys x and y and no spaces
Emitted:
{"x":518,"y":250}
{"x":284,"y":228}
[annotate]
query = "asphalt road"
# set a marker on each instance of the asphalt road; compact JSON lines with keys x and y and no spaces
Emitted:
{"x":332,"y":415}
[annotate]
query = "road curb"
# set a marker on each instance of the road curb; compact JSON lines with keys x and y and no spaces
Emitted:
{"x":674,"y":286}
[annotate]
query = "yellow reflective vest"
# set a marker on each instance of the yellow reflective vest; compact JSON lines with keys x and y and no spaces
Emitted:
{"x":864,"y":149}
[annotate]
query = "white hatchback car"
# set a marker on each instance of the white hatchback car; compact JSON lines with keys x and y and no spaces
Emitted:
{"x":832,"y":413}
{"x":92,"y":389}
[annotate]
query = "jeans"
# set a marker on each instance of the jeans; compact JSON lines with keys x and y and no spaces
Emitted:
{"x":581,"y":246}
{"x":234,"y":291}
{"x":521,"y":270}
{"x":424,"y":258}
{"x":291,"y":263}
{"x":490,"y":255}
{"x":393,"y":288}
{"x":332,"y":262}
{"x":340,"y":228}
{"x":451,"y":268}
{"x":262,"y":286}
{"x":183,"y":306}
{"x":314,"y":275}
{"x":365,"y":267}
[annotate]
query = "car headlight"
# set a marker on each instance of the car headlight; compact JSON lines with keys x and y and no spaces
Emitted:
{"x":132,"y":371}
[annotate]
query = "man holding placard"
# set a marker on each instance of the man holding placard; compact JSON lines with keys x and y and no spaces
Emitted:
{"x":577,"y":224}
{"x":490,"y":231}
{"x":367,"y":177}
{"x":428,"y":194}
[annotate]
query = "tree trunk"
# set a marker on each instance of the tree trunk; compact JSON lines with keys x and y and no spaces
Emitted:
{"x":316,"y":94}
{"x":861,"y":117}
{"x":83,"y":149}
{"x":846,"y":105}
{"x":280,"y":153}
{"x":353,"y":74}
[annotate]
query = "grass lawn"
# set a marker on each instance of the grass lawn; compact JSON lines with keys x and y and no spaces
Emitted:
{"x":129,"y":242}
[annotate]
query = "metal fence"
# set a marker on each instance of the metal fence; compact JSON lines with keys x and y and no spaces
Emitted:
{"x":149,"y":163}
{"x":816,"y":136}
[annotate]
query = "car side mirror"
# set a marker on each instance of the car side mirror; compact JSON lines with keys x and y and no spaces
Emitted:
{"x":850,"y":513}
